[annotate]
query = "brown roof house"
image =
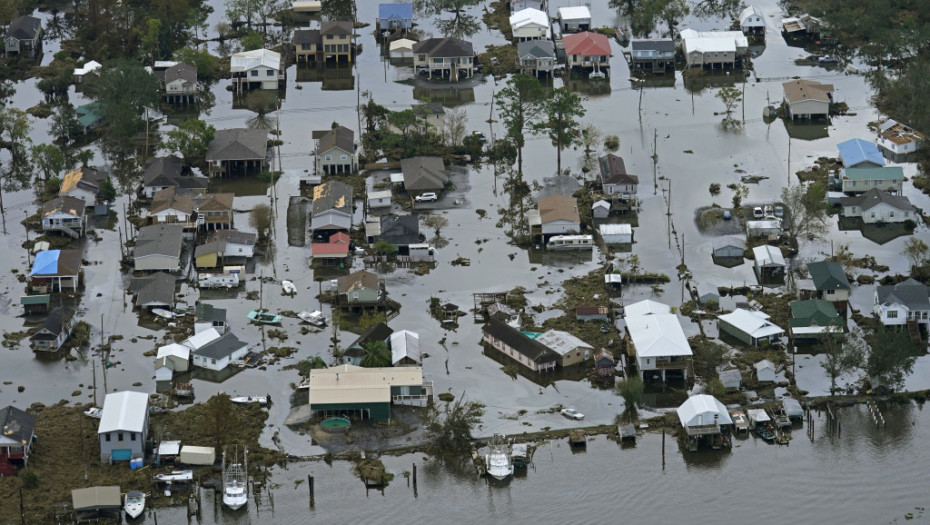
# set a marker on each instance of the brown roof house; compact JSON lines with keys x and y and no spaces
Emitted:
{"x":614,"y":178}
{"x":238,"y":151}
{"x":360,"y":289}
{"x":335,"y":151}
{"x":66,"y":215}
{"x":179,"y":83}
{"x":164,"y":172}
{"x":807,"y":98}
{"x":424,"y":174}
{"x":556,"y":215}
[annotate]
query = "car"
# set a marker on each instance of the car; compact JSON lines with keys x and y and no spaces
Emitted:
{"x":757,"y":212}
{"x":571,"y":413}
{"x":779,"y":211}
{"x":727,"y":215}
{"x":426,"y":197}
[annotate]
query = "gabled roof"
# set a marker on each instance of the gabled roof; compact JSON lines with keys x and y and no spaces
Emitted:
{"x":238,"y":144}
{"x":87,"y":177}
{"x":332,"y":195}
{"x":587,"y":44}
{"x":173,"y":198}
{"x":424,"y":173}
{"x":159,"y":239}
{"x":247,"y":60}
{"x":205,"y":312}
{"x":813,"y":312}
{"x":154,"y":290}
{"x":529,"y":348}
{"x":307,"y":36}
{"x":402,"y":43}
{"x":874,"y":197}
{"x":749,"y":11}
{"x":201,"y":339}
{"x":174,"y":350}
{"x":615,"y":229}
{"x":828,"y":275}
{"x":661,"y":45}
{"x":558,"y":208}
{"x":354,"y":384}
{"x":910,"y":293}
{"x":405,"y":343}
{"x":754,"y":324}
{"x":338,"y":137}
{"x":55,"y":323}
{"x":444,"y":48}
{"x":16,"y":427}
{"x":765,"y":364}
{"x":884,"y":173}
{"x":529,"y":16}
{"x":161,"y":171}
{"x":703,"y":409}
{"x":24,"y":28}
{"x":379,"y":332}
{"x":856,"y":151}
{"x":400,"y":230}
{"x":214,"y":246}
{"x":536,"y":49}
{"x":357,"y":280}
{"x":646,"y":307}
{"x":562,"y":342}
{"x":574,"y":13}
{"x":50,"y":263}
{"x":184,"y":72}
{"x":222,"y":347}
{"x":69,"y":205}
{"x":395,"y":11}
{"x":801,"y":90}
{"x":126,"y":411}
{"x":657,"y":335}
{"x":611,"y":165}
{"x":766,"y":255}
{"x":336,"y":28}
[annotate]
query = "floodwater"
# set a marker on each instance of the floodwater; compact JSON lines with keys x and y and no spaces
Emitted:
{"x":693,"y":151}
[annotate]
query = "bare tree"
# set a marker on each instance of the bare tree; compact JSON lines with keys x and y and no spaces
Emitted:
{"x":453,"y":131}
{"x":842,"y":353}
{"x":805,"y":212}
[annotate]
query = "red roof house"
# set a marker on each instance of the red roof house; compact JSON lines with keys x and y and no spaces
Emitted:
{"x":337,"y":247}
{"x":587,"y":50}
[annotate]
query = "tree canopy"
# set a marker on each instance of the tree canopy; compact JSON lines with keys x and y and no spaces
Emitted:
{"x":561,"y":111}
{"x":520,"y":106}
{"x":191,"y":138}
{"x":890,"y":357}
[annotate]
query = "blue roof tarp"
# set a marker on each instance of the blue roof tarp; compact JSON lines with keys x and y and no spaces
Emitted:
{"x":856,"y":151}
{"x":395,"y":11}
{"x":46,"y":263}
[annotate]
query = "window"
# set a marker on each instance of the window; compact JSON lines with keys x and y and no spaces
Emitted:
{"x":108,"y":438}
{"x":119,"y":436}
{"x":329,"y":37}
{"x":345,"y":157}
{"x":891,"y":214}
{"x":873,"y":215}
{"x":132,"y":436}
{"x":892,"y":314}
{"x":212,"y":361}
{"x":648,"y":361}
{"x":831,"y":292}
{"x":329,"y":158}
{"x":305,"y":47}
{"x":270,"y":72}
{"x":254,"y":72}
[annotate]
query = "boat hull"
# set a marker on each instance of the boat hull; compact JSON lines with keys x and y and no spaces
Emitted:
{"x":235,"y":502}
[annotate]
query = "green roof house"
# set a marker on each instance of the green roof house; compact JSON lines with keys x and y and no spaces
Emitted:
{"x":830,"y":283}
{"x":812,"y":318}
{"x":861,"y":180}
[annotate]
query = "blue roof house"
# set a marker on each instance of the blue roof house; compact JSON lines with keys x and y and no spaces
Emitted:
{"x":858,"y":153}
{"x":395,"y":17}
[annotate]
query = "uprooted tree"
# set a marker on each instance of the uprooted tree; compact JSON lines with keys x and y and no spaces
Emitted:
{"x":449,"y":429}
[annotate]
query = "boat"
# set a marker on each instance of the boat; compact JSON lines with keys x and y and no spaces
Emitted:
{"x":497,"y":462}
{"x":519,"y":455}
{"x":164,"y":314}
{"x":761,"y":423}
{"x":247,"y":400}
{"x":288,"y":287}
{"x":134,"y":504}
{"x":235,"y":488}
{"x":315,"y":317}
{"x":261,"y":316}
{"x":93,"y":412}
{"x":176,"y":475}
{"x":740,"y":423}
{"x":570,"y":242}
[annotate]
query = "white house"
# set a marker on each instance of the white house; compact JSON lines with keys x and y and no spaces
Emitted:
{"x":658,"y":344}
{"x":201,"y":338}
{"x":530,"y":24}
{"x":713,"y":48}
{"x":703,"y":414}
{"x":897,"y":140}
{"x":88,"y":67}
{"x":769,"y":261}
{"x":66,"y":215}
{"x":402,"y":49}
{"x":260,"y":68}
{"x":124,"y":424}
{"x":379,"y":199}
{"x":616,"y":233}
{"x":646,"y":307}
{"x":405,"y":348}
{"x":877,"y":206}
{"x":178,"y":354}
{"x":600,"y":209}
{"x":907,"y":301}
{"x":765,"y":371}
{"x":220,"y":353}
{"x":807,"y":98}
{"x":574,"y":19}
{"x":752,"y":328}
{"x":573,"y":351}
{"x":751,"y":21}
{"x":557,"y":215}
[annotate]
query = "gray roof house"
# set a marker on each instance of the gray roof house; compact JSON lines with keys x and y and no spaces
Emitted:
{"x":207,"y":316}
{"x":124,"y":424}
{"x":23,"y":37}
{"x":239,"y":151}
{"x":902,"y":303}
{"x":536,"y":56}
{"x":400,"y":230}
{"x":332,"y":209}
{"x":423,"y":174}
{"x":158,"y":247}
{"x":220,"y":353}
{"x":356,"y":351}
{"x":154,"y":291}
{"x":54,"y":331}
{"x":878,"y":206}
{"x":17,"y":439}
{"x":652,"y":54}
{"x":164,"y":172}
{"x":335,"y":150}
{"x":447,"y":57}
{"x":179,"y":83}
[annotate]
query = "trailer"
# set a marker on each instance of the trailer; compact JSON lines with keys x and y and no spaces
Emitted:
{"x":218,"y":280}
{"x":191,"y":455}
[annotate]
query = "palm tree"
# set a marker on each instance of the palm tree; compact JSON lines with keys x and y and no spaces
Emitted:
{"x":377,"y":354}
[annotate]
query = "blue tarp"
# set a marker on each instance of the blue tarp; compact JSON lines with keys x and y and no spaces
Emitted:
{"x":856,"y":151}
{"x":399,"y":12}
{"x":46,"y":263}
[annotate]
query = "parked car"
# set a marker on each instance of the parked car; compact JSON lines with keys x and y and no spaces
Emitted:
{"x":779,"y":211}
{"x":426,"y":197}
{"x":571,"y":413}
{"x":757,"y":212}
{"x":727,"y":215}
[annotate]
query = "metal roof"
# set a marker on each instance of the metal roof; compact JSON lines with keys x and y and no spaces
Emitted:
{"x":96,"y":498}
{"x":910,"y":293}
{"x":754,"y":324}
{"x":857,"y":151}
{"x":657,"y":335}
{"x":701,"y":410}
{"x":615,"y":229}
{"x":766,"y":255}
{"x":201,"y":338}
{"x":405,"y":343}
{"x":646,"y":307}
{"x":575,"y":13}
{"x":224,"y":346}
{"x":354,"y":384}
{"x":562,"y":342}
{"x":247,"y":60}
{"x":126,"y":410}
{"x":828,"y":275}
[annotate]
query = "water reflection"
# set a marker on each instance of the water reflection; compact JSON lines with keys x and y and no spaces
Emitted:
{"x":807,"y":130}
{"x":333,"y":77}
{"x":696,"y":81}
{"x":449,"y":96}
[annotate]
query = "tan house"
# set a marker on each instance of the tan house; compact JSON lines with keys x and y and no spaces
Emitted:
{"x":557,"y":215}
{"x":337,"y":40}
{"x":445,"y":57}
{"x":807,"y":98}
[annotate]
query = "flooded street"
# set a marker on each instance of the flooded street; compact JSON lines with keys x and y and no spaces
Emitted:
{"x":880,"y":474}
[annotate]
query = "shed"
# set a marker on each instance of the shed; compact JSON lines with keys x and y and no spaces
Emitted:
{"x":708,"y":294}
{"x":600,"y":209}
{"x":592,"y":313}
{"x":750,"y":327}
{"x":604,"y":363}
{"x":96,"y":502}
{"x":769,"y":261}
{"x":703,"y":414}
{"x":379,"y":199}
{"x":168,"y":452}
{"x":191,"y":455}
{"x":402,"y":48}
{"x":576,"y":18}
{"x":616,"y":233}
{"x":765,"y":371}
{"x":729,"y":251}
{"x":731,"y":379}
{"x":792,"y":408}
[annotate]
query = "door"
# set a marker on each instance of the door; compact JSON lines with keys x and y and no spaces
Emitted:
{"x":121,"y":454}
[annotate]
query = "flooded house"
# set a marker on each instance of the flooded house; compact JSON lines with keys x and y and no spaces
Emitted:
{"x":574,"y":19}
{"x":124,"y":426}
{"x":158,"y":248}
{"x":17,"y":439}
{"x":193,"y":210}
{"x":164,"y":172}
{"x":361,"y":289}
{"x":536,"y":56}
{"x":256,"y":69}
{"x":655,"y":55}
{"x":905,"y":303}
{"x":767,"y":229}
{"x":604,"y":363}
{"x":769,"y":262}
{"x":878,"y":207}
{"x":67,"y":215}
{"x":366,"y":393}
{"x":307,"y":45}
{"x":618,"y":185}
{"x":355,"y":352}
{"x":401,"y":49}
{"x":858,"y":153}
{"x":335,"y":151}
{"x":555,"y":215}
{"x":812,"y":319}
{"x":336,"y":38}
{"x":451,"y":58}
{"x":154,"y":291}
{"x":395,"y":18}
{"x":238,"y":151}
{"x":519,"y":347}
{"x":587,"y":51}
{"x":713,"y":49}
{"x":224,"y":247}
{"x":332,"y":210}
{"x":220,"y":352}
{"x":571,"y":350}
{"x":55,"y":271}
{"x":179,"y":83}
{"x":530,"y":24}
{"x":616,"y":233}
{"x":88,"y":68}
{"x":333,"y":252}
{"x":54,"y":331}
{"x":424,"y":174}
{"x":750,"y":327}
{"x":704,"y":419}
{"x":207,"y":316}
{"x":600,"y":209}
{"x":23,"y":37}
{"x":177,"y":354}
{"x":656,"y":341}
{"x":855,"y":181}
{"x":83,"y":183}
{"x":405,"y":348}
{"x":752,"y":22}
{"x":898,"y":141}
{"x":401,"y":231}
{"x":708,"y":294}
{"x":830,"y":283}
{"x":807,"y":99}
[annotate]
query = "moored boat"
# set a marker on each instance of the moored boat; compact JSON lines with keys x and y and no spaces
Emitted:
{"x":519,"y":455}
{"x":164,"y":314}
{"x":235,"y":489}
{"x":175,"y":475}
{"x":261,"y":316}
{"x":93,"y":412}
{"x":247,"y":400}
{"x":497,"y":462}
{"x":134,"y":504}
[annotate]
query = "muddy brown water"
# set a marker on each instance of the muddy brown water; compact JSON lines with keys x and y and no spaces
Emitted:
{"x":683,"y":120}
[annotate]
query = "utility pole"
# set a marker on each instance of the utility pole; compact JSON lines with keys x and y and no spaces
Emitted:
{"x":655,"y":161}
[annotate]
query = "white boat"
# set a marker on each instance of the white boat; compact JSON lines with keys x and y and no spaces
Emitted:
{"x":93,"y":412}
{"x":164,"y":314}
{"x":570,"y":242}
{"x":247,"y":400}
{"x":176,"y":475}
{"x":288,"y":287}
{"x":135,"y":504}
{"x":235,"y":487}
{"x":497,"y":461}
{"x":315,"y":317}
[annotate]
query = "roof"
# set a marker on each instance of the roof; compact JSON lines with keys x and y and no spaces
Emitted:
{"x":383,"y":194}
{"x":332,"y":247}
{"x":754,"y":324}
{"x":764,"y":364}
{"x":528,"y":347}
{"x":247,"y":60}
{"x":898,"y":133}
{"x":160,"y":171}
{"x":159,"y":239}
{"x":394,"y":11}
{"x":562,"y":342}
{"x":662,"y":45}
{"x":234,"y":237}
{"x":730,"y":376}
{"x":586,"y":44}
{"x":238,"y":144}
{"x":728,"y":250}
{"x":201,"y":338}
{"x":529,"y":16}
{"x":169,"y":448}
{"x":828,"y":275}
{"x":16,"y":427}
{"x":749,"y":11}
{"x":184,"y":72}
{"x":400,"y":229}
{"x":24,"y":28}
{"x":207,"y":312}
{"x":378,"y":332}
{"x":703,"y":409}
{"x":405,"y":343}
{"x":339,"y":137}
{"x":883,"y":173}
{"x":909,"y":293}
{"x":424,"y":173}
{"x":332,"y":195}
{"x":96,"y":498}
{"x":813,"y":312}
{"x":69,"y":205}
{"x":356,"y":280}
{"x":54,"y":324}
{"x":855,"y":151}
{"x":874,"y":197}
{"x":801,"y":90}
{"x":612,"y":165}
{"x":574,"y":13}
{"x":444,"y":47}
{"x":336,"y":27}
{"x":604,"y":353}
{"x":766,"y":255}
{"x":221,"y":347}
{"x":172,"y":198}
{"x":403,"y":43}
{"x":154,"y":290}
{"x":307,"y":36}
{"x":691,"y":38}
{"x":51,"y":263}
{"x":88,"y":177}
{"x":591,"y":310}
{"x":536,"y":49}
{"x":174,"y":350}
{"x":354,"y":384}
{"x":646,"y":307}
{"x":558,"y":208}
{"x":601,"y":203}
{"x":126,"y":410}
{"x":615,"y":229}
{"x":88,"y":67}
{"x":657,"y":335}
